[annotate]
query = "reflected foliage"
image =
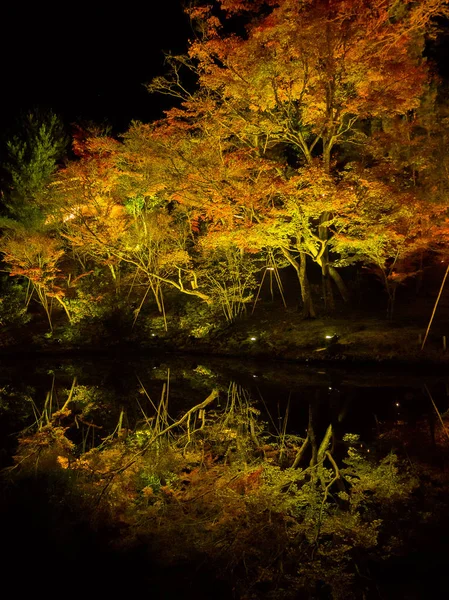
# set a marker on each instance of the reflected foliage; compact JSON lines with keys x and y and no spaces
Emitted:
{"x":273,"y":514}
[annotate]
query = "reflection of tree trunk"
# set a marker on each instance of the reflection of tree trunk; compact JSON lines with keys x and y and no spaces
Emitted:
{"x":325,"y":443}
{"x":312,"y":437}
{"x":338,"y":413}
{"x":111,"y":268}
{"x":300,"y":453}
{"x":308,"y":310}
{"x":322,"y":452}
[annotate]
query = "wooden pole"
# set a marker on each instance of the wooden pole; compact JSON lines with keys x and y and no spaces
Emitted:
{"x":258,"y":291}
{"x":435,"y":307}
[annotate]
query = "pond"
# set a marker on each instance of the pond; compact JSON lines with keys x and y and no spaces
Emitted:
{"x":368,"y":412}
{"x":358,"y":399}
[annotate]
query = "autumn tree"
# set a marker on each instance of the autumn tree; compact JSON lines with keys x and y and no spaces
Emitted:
{"x":30,"y":249}
{"x":35,"y":257}
{"x":112,"y":210}
{"x":407,"y":159}
{"x":218,"y":192}
{"x":295,"y":82}
{"x":385,"y":228}
{"x":87,"y":206}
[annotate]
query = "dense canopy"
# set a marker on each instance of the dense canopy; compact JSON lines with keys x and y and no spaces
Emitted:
{"x":312,"y":140}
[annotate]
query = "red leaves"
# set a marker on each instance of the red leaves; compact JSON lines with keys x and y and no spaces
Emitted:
{"x":248,"y":482}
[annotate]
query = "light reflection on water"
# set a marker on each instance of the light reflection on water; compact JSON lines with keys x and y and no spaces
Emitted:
{"x":361,"y":401}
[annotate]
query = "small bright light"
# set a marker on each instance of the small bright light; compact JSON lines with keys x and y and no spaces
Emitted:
{"x":329,"y":337}
{"x":153,"y":335}
{"x":272,"y":268}
{"x":253,"y":339}
{"x":254,"y":375}
{"x":330,"y":388}
{"x":397,"y":404}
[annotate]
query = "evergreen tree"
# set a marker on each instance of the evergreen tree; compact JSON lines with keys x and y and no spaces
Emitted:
{"x":32,"y":157}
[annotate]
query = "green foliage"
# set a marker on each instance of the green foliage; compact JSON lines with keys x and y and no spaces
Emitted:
{"x":149,"y":480}
{"x":198,"y":319}
{"x":96,"y":310}
{"x":231,"y":280}
{"x":13,"y":309}
{"x":33,"y":156}
{"x":134,"y":206}
{"x":385,"y":482}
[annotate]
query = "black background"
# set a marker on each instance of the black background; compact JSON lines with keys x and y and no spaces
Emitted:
{"x":87,"y":62}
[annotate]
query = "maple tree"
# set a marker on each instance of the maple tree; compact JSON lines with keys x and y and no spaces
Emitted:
{"x":86,"y":205}
{"x":111,"y":209}
{"x":385,"y":228}
{"x":299,"y":84}
{"x":35,"y":257}
{"x":218,"y":192}
{"x":306,"y":141}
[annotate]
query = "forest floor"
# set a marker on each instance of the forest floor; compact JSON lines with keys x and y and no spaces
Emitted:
{"x":357,"y":332}
{"x":339,"y":338}
{"x":270,"y":333}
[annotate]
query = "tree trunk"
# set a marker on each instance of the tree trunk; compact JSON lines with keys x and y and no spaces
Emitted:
{"x":328,"y":295}
{"x":339,"y":283}
{"x":311,"y":435}
{"x":308,"y":310}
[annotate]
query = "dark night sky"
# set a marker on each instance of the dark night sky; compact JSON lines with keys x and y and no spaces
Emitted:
{"x":87,"y":61}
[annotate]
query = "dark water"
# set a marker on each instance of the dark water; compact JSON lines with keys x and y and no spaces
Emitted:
{"x":361,"y":401}
{"x":356,"y":400}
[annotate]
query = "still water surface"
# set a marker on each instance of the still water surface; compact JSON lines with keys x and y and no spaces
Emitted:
{"x":126,"y":389}
{"x":355,"y":400}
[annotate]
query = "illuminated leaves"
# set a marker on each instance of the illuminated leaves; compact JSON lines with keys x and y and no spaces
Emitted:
{"x":34,"y":256}
{"x":307,"y":137}
{"x":311,"y":64}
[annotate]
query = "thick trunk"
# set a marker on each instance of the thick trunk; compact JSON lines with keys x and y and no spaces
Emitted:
{"x":339,"y":283}
{"x":306,"y":293}
{"x":391,"y":302}
{"x":328,"y":295}
{"x":390,"y":289}
{"x":308,"y":310}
